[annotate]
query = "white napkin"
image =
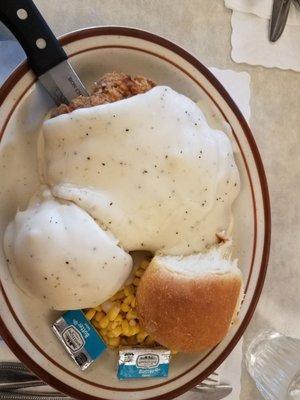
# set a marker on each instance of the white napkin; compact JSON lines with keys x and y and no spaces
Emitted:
{"x":238,"y":86}
{"x":250,"y":29}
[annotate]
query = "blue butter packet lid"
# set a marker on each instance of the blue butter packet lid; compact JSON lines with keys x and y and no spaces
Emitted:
{"x":143,"y":363}
{"x":79,"y":337}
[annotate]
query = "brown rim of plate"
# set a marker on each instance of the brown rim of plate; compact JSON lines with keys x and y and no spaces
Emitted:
{"x":136,"y":33}
{"x":254,"y":241}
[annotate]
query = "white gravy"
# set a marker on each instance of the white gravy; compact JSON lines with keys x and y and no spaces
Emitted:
{"x":148,"y":168}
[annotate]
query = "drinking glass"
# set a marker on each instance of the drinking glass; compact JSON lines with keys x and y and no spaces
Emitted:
{"x":273,"y":361}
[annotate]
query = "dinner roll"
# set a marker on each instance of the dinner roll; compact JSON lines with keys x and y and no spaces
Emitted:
{"x":188,"y":303}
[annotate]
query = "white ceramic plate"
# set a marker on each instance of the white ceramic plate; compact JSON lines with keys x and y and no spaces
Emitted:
{"x":25,"y":324}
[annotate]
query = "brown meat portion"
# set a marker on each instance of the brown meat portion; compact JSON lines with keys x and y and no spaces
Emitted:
{"x":111,"y":87}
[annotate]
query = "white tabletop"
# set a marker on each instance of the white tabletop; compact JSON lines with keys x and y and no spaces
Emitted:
{"x":203,"y":28}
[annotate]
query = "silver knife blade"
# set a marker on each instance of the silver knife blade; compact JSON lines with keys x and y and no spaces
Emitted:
{"x":279,"y":17}
{"x":62,"y":83}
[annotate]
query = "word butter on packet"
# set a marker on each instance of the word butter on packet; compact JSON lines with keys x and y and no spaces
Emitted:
{"x":79,"y":337}
{"x":143,"y":363}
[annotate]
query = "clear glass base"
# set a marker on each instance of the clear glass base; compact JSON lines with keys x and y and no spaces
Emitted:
{"x":273,"y":361}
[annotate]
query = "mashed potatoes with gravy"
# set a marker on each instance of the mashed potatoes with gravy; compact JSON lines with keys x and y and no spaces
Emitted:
{"x":58,"y":254}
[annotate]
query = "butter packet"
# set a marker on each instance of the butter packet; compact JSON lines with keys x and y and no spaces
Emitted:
{"x":79,"y":338}
{"x":143,"y":363}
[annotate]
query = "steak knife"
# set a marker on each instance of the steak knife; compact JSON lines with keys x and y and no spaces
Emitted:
{"x":46,"y":56}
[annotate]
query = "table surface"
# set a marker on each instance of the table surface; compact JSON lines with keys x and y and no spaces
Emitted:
{"x":275,"y":122}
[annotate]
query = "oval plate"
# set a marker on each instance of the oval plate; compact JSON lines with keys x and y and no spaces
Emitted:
{"x":25,"y":323}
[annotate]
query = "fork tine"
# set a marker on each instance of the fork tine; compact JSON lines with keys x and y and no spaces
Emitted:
{"x":210,"y":380}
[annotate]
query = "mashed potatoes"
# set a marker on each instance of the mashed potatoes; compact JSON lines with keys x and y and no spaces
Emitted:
{"x":58,"y":254}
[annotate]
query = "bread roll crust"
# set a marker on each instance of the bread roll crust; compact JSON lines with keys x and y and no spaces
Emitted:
{"x":187,"y":314}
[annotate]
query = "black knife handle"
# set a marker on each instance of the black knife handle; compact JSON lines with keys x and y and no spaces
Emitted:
{"x":32,"y":32}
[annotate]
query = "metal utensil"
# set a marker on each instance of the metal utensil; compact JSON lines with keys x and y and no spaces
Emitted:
{"x":207,"y":393}
{"x":279,"y":17}
{"x":45,"y":55}
{"x":213,"y":393}
{"x":212,"y":380}
{"x":32,"y":396}
{"x":212,"y":389}
{"x":14,"y":375}
{"x":22,"y":384}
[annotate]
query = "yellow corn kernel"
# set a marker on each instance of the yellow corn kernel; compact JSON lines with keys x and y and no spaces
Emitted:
{"x":144,"y":264}
{"x":114,"y":342}
{"x":104,"y":322}
{"x":137,"y":328}
{"x":90,"y":313}
{"x":99,"y":315}
{"x":125,"y":327}
{"x":116,"y":332}
{"x":128,"y":299}
{"x":129,"y":290}
{"x":136,"y":281}
{"x":98,"y":308}
{"x":134,"y":329}
{"x":95,"y":323}
{"x":133,"y":303}
{"x":113,"y":312}
{"x":139,"y":272}
{"x":141,"y":336}
{"x":125,"y":307}
{"x":118,"y":296}
{"x":132,"y":322}
{"x":131,"y":315}
{"x":111,"y":325}
{"x":119,"y":318}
